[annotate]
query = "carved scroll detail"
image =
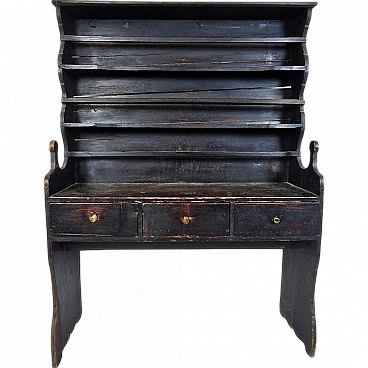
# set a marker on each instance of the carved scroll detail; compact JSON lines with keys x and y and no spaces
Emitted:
{"x":315,"y":154}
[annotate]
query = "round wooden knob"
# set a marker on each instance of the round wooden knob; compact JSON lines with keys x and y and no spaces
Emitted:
{"x":94,"y":217}
{"x":276,"y":220}
{"x":51,"y":146}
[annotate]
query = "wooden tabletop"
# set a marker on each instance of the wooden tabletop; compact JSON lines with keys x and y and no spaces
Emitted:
{"x":184,"y":191}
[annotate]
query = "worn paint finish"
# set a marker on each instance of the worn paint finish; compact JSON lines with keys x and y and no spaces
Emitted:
{"x":255,"y":57}
{"x":167,"y":219}
{"x":294,"y":219}
{"x":182,"y":126}
{"x":118,"y":219}
{"x":224,"y":192}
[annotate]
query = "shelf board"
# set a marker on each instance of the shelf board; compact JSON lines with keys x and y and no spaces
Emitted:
{"x":147,"y":100}
{"x":179,"y":40}
{"x":193,"y":67}
{"x":175,"y":154}
{"x":198,"y":124}
{"x":265,"y":4}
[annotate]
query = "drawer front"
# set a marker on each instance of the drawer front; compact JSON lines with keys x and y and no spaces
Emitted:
{"x":277,"y":220}
{"x":96,"y":219}
{"x":186,"y":219}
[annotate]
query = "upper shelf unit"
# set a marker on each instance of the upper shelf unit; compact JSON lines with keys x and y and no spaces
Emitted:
{"x":183,"y":64}
{"x":164,"y":36}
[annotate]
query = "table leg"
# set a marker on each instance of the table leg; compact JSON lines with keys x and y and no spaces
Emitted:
{"x":299,"y":272}
{"x":66,"y":289}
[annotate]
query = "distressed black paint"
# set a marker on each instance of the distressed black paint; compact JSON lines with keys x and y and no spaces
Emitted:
{"x":182,"y":126}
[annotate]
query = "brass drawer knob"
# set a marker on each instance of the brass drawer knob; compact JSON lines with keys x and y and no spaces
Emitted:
{"x":276,"y":220}
{"x":187,"y":219}
{"x":94,"y":217}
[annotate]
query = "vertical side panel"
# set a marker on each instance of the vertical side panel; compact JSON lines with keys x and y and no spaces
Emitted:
{"x":299,"y":274}
{"x":67,"y":302}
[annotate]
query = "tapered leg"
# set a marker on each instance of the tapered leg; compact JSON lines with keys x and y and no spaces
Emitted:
{"x":299,"y":272}
{"x":66,"y":289}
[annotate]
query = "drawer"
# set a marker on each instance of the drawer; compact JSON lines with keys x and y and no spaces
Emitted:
{"x":277,"y":220}
{"x":186,"y":219}
{"x":94,"y":219}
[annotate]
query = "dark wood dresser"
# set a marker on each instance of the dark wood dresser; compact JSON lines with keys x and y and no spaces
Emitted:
{"x":182,"y":125}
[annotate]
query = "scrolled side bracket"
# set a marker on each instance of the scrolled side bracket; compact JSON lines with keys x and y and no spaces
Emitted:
{"x":314,"y":148}
{"x":52,"y":163}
